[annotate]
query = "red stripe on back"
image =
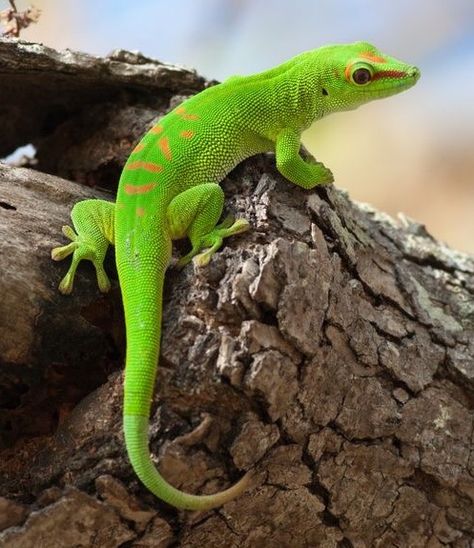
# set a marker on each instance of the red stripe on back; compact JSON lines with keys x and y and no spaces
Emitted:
{"x":148,"y":166}
{"x":138,"y":148}
{"x":139,"y":189}
{"x":181,"y":111}
{"x":156,"y":130}
{"x":164,"y":145}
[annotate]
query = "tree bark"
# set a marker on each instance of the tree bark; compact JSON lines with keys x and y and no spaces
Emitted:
{"x":331,"y":349}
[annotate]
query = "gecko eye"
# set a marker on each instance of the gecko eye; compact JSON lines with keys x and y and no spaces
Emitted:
{"x":361,"y":76}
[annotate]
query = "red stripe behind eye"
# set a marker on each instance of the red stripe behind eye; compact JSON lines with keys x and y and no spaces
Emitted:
{"x":388,"y":74}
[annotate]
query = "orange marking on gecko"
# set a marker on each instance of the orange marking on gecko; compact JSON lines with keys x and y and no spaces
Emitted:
{"x":138,"y":148}
{"x":181,"y":111}
{"x":140,"y":211}
{"x":164,"y":145}
{"x":389,"y":74}
{"x":372,"y":57}
{"x":156,"y":130}
{"x":148,"y":166}
{"x":347,"y":72}
{"x":187,"y":134}
{"x":139,"y":189}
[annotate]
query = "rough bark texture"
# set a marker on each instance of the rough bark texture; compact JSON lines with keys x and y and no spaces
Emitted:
{"x":331,"y":349}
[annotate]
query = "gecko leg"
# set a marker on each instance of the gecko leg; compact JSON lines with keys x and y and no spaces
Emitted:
{"x":194,"y":213}
{"x":304,"y":173}
{"x":94,"y":224}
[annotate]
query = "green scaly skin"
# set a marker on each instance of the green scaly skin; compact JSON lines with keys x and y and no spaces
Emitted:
{"x":169,"y":189}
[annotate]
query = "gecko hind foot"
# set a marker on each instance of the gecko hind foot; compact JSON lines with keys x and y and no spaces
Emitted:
{"x":227,"y":222}
{"x":80,"y":248}
{"x":60,"y":253}
{"x":211,"y":242}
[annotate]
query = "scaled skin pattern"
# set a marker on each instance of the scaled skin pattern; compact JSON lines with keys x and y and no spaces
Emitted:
{"x":169,"y":189}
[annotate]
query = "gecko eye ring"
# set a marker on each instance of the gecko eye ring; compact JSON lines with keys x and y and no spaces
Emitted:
{"x":361,"y":76}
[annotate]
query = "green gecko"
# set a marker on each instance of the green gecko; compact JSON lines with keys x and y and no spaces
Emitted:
{"x":169,"y":189}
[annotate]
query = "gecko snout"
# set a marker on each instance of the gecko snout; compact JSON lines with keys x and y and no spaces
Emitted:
{"x":414,"y":72}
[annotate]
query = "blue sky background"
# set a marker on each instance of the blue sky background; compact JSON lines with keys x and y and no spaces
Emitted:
{"x":221,"y":37}
{"x":412,"y":153}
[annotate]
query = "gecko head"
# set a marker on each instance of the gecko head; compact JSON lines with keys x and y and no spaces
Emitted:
{"x":354,"y":74}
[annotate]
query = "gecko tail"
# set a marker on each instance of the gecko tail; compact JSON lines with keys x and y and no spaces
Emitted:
{"x":136,"y":441}
{"x":142,"y":290}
